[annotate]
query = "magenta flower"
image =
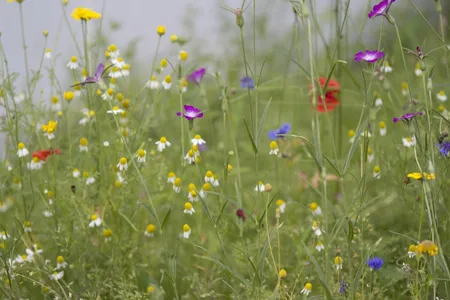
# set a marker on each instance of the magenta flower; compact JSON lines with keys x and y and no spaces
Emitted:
{"x":196,"y":76}
{"x":381,"y":9}
{"x":408,"y":117}
{"x":190,"y":113}
{"x":370,"y":56}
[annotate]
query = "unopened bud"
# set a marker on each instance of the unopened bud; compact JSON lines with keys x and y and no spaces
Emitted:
{"x":45,"y":33}
{"x":268,"y":187}
{"x":422,"y":65}
{"x":430,"y":84}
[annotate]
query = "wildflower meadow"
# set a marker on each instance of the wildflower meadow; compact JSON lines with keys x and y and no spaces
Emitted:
{"x":308,"y":165}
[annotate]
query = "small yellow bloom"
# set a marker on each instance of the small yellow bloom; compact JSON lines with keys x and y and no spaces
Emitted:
{"x":163,"y":63}
{"x":229,"y":168}
{"x":351,"y":133}
{"x":183,"y":55}
{"x":173,"y":38}
{"x":427,"y":247}
{"x":68,"y":96}
{"x":282,"y":273}
{"x":150,"y":289}
{"x":85,"y":14}
{"x":161,"y":30}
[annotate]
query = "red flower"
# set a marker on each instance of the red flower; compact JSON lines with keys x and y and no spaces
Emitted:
{"x":43,"y":154}
{"x":241,"y":214}
{"x":330,"y":95}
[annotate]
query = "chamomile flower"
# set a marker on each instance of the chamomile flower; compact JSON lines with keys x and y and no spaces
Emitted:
{"x":35,"y":164}
{"x":118,"y":62}
{"x":197,"y":140}
{"x":69,"y":95}
{"x":260,"y":187}
{"x":60,"y":263}
{"x":107,"y":234}
{"x":88,"y":116}
{"x":22,"y":151}
{"x":126,"y":70}
{"x":351,"y":135}
{"x":209,"y":176}
{"x":281,"y":205}
{"x":386,"y":68}
{"x":171,"y":177}
{"x":115,"y":72}
{"x":282,"y":273}
{"x":205,"y":188}
{"x":27,"y":226}
{"x":49,"y":129}
{"x":319,"y":246}
{"x":84,"y":145}
{"x":404,"y":89}
{"x":338,"y":261}
{"x":162,"y":144}
{"x":73,"y":63}
{"x":167,"y":82}
{"x":412,"y":251}
{"x":108,"y":94}
{"x":183,"y":55}
{"x":161,"y":30}
{"x":96,"y":221}
{"x":4,"y":235}
{"x":192,"y":195}
{"x":47,"y":213}
{"x":153,"y":83}
{"x":273,"y":148}
{"x":113,"y":51}
{"x":216,"y":181}
{"x":48,"y":53}
{"x":188,"y":208}
{"x":57,"y":275}
{"x":141,"y":154}
{"x":376,"y":172}
{"x":76,"y":173}
{"x":56,"y":105}
{"x":409,"y":142}
{"x":418,"y":70}
{"x":5,"y":205}
{"x":307,"y":289}
{"x":163,"y":64}
{"x":378,"y":101}
{"x":186,"y":231}
{"x":150,"y":230}
{"x":184,"y":85}
{"x":315,"y":209}
{"x":382,"y":127}
{"x":370,"y":155}
{"x":89,"y":179}
{"x":316,"y":229}
{"x":115,"y":110}
{"x":16,"y":184}
{"x":441,"y":96}
{"x":190,"y":157}
{"x":123,"y":164}
{"x":177,"y":185}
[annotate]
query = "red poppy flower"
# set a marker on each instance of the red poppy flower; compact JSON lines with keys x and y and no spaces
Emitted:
{"x":43,"y":154}
{"x":331,"y":100}
{"x":241,"y":214}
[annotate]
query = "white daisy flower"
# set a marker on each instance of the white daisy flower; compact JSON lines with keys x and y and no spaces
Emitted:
{"x":57,"y":276}
{"x":115,"y":110}
{"x":441,"y":96}
{"x":409,"y":141}
{"x":162,"y":144}
{"x":96,"y":221}
{"x":188,"y":208}
{"x":197,"y":140}
{"x":73,"y":63}
{"x":22,"y":151}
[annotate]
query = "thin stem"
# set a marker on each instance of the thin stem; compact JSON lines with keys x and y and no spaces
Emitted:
{"x":246,"y":74}
{"x":24,"y":45}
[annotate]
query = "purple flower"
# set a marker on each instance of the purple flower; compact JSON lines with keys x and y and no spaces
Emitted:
{"x":408,"y":117}
{"x":343,"y":287}
{"x":247,"y":83}
{"x":97,"y":76}
{"x":278,"y":133}
{"x":375,"y":263}
{"x":381,"y":9}
{"x":190,"y":112}
{"x":370,"y":56}
{"x":444,"y":148}
{"x":197,"y":75}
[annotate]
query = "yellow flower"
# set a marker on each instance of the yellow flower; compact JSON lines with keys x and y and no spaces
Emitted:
{"x":173,"y":38}
{"x":419,"y":176}
{"x":282,"y":273}
{"x":68,"y":96}
{"x":85,"y":14}
{"x":351,"y":133}
{"x":427,"y":247}
{"x":183,"y":55}
{"x":161,"y":30}
{"x":18,"y":1}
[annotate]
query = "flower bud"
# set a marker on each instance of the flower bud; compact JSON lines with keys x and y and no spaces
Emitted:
{"x":45,"y":33}
{"x":268,"y":187}
{"x":422,"y":65}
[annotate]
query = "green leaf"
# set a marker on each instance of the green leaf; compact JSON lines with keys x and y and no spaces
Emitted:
{"x":350,"y":233}
{"x":166,"y":218}
{"x":128,"y":221}
{"x":353,"y":147}
{"x":263,"y":119}
{"x":255,"y":149}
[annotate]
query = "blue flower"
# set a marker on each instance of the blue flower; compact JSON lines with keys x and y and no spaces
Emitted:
{"x":343,"y":287}
{"x":444,"y":148}
{"x":247,"y":83}
{"x":375,"y":263}
{"x":278,"y":133}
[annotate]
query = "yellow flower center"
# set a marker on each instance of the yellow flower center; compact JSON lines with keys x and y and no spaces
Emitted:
{"x":171,"y":175}
{"x":193,"y":193}
{"x":313,"y":206}
{"x":282,"y":273}
{"x":60,"y":259}
{"x":94,"y":217}
{"x":441,"y":108}
{"x":161,"y":30}
{"x":126,"y":67}
{"x":197,"y":137}
{"x":229,"y":168}
{"x":183,"y":55}
{"x":163,"y":140}
{"x":151,"y":228}
{"x":177,"y":182}
{"x":107,"y":233}
{"x":21,"y":146}
{"x":191,"y":187}
{"x":338,"y":260}
{"x":315,"y":224}
{"x":163,"y":63}
{"x":376,"y":169}
{"x":409,"y":139}
{"x":123,"y":161}
{"x":110,"y":92}
{"x":382,"y":124}
{"x":141,"y":153}
{"x":207,"y":187}
{"x":91,"y":113}
{"x":190,"y":153}
{"x":153,"y":78}
{"x":83,"y":142}
{"x":55,"y":100}
{"x":73,"y":59}
{"x":27,"y":224}
{"x":209,"y":174}
{"x":168,"y":79}
{"x":112,"y":47}
{"x":173,"y":38}
{"x":442,"y":93}
{"x":119,"y":96}
{"x":186,"y":228}
{"x":126,"y":103}
{"x":369,"y":150}
{"x":85,"y":174}
{"x":412,"y":248}
{"x":188,"y":206}
{"x":68,"y":95}
{"x":404,"y":86}
{"x":273,"y":145}
{"x":308,"y":286}
{"x":35,"y":159}
{"x":351,"y":133}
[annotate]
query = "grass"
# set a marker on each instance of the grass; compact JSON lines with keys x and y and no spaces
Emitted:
{"x":95,"y":213}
